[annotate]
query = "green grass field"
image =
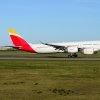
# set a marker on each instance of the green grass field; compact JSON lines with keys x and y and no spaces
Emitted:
{"x":48,"y":80}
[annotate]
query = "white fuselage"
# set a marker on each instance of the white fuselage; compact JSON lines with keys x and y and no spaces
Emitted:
{"x":41,"y":48}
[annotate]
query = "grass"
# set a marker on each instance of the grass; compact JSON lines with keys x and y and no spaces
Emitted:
{"x":49,"y":80}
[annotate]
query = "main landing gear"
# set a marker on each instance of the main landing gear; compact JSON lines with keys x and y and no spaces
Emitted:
{"x":72,"y":55}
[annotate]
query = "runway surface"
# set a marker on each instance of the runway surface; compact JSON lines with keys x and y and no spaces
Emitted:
{"x":46,"y":58}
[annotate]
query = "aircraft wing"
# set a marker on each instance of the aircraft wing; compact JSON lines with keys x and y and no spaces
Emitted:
{"x":15,"y":47}
{"x":63,"y":48}
{"x":56,"y":46}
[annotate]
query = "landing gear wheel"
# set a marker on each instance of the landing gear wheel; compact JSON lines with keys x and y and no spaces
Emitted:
{"x":72,"y":56}
{"x":75,"y":55}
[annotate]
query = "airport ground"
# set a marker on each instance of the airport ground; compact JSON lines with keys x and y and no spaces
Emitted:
{"x":23,"y":54}
{"x":28,"y":79}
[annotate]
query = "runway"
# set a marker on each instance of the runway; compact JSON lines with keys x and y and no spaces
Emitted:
{"x":45,"y":58}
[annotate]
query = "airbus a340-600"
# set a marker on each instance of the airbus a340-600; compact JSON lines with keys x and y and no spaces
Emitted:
{"x":72,"y":48}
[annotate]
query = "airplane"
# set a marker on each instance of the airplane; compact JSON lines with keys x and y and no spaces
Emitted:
{"x":72,"y":48}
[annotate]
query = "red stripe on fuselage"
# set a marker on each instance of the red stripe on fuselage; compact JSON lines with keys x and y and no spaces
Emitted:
{"x":18,"y":41}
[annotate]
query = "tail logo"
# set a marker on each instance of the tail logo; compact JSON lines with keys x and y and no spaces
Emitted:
{"x":18,"y":41}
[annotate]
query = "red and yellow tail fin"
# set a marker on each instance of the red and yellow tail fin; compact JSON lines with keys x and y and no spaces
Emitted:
{"x":18,"y":41}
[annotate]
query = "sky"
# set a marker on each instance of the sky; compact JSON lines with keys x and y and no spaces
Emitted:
{"x":50,"y":20}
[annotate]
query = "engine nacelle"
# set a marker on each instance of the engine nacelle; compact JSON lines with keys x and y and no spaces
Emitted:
{"x":72,"y":49}
{"x":88,"y":51}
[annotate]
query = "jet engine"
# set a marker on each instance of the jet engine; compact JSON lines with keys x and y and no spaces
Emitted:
{"x":72,"y":50}
{"x":88,"y":51}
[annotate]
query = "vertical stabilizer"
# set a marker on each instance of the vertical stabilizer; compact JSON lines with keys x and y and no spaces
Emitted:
{"x":18,"y":41}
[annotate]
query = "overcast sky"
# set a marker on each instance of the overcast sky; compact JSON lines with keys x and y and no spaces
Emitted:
{"x":50,"y":20}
